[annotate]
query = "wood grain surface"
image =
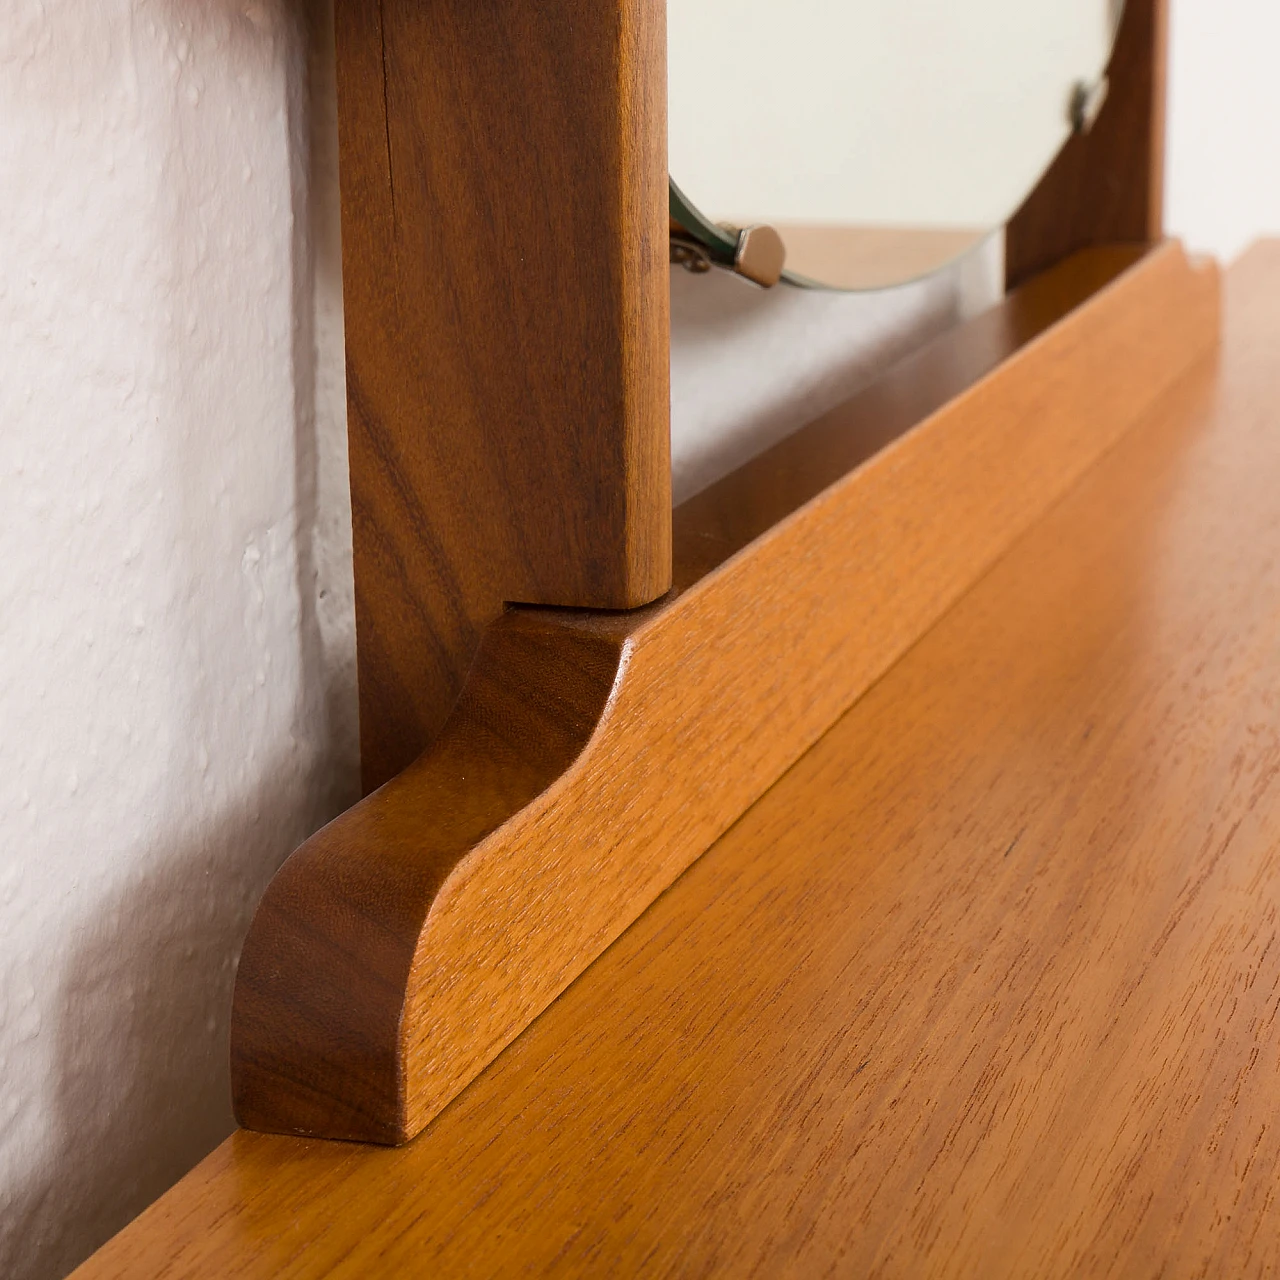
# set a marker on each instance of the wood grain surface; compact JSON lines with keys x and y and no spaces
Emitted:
{"x":986,"y":985}
{"x":594,"y":756}
{"x":504,"y":227}
{"x":1107,"y":185}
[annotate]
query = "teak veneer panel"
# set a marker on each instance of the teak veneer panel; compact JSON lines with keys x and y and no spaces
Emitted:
{"x":1105,"y":186}
{"x":592,"y":757}
{"x":504,"y":228}
{"x":986,"y":985}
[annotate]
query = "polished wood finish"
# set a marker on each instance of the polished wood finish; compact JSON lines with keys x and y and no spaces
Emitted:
{"x":1107,"y":185}
{"x":504,"y":214}
{"x":594,"y":756}
{"x":986,"y":985}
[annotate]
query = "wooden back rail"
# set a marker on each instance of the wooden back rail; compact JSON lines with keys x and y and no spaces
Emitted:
{"x":592,"y":757}
{"x":547,"y":774}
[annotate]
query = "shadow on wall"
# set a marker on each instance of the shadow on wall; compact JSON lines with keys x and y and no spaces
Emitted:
{"x":130,"y":1002}
{"x":141,"y":1088}
{"x":325,"y":583}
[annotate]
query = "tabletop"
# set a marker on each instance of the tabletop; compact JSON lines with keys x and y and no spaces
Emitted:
{"x":986,"y":984}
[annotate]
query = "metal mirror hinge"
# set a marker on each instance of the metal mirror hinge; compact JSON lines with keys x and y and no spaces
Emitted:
{"x":689,"y":253}
{"x":759,"y":254}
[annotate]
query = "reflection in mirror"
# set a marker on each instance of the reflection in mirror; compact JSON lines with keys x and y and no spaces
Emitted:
{"x":880,"y":138}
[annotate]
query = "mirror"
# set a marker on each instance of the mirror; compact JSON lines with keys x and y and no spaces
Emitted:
{"x":863,"y":143}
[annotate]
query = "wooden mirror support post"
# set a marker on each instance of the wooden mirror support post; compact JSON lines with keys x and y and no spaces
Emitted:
{"x":505,"y":245}
{"x":504,"y":225}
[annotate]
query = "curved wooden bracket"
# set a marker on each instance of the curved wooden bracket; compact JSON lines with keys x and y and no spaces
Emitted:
{"x":592,"y":757}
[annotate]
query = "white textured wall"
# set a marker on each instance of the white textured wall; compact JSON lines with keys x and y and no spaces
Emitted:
{"x":176,"y":707}
{"x":1223,"y":176}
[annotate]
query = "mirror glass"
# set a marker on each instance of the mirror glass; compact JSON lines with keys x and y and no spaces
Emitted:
{"x":880,"y":138}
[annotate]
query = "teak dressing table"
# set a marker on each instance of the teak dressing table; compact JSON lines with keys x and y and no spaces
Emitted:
{"x":867,"y":869}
